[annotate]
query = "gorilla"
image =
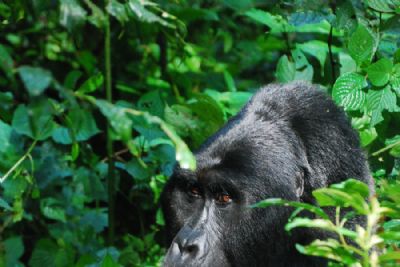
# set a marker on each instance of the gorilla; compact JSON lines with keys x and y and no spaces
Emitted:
{"x":286,"y":141}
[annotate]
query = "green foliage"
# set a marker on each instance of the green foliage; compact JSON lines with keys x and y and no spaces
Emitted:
{"x":178,"y":72}
{"x":362,"y":246}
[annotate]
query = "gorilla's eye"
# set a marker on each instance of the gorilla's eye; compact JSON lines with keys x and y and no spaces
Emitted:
{"x":194,"y":191}
{"x":223,"y":198}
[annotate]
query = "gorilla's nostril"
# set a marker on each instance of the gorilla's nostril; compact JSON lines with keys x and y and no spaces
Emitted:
{"x":192,"y":249}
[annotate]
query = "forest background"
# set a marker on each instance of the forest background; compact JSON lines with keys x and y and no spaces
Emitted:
{"x":98,"y":99}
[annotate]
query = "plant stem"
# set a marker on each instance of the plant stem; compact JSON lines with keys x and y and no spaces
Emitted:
{"x":330,"y":39}
{"x":110,"y":149}
{"x":376,"y":153}
{"x":27,"y":153}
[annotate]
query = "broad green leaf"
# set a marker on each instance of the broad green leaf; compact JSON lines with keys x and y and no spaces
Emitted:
{"x":390,"y":256}
{"x":302,"y":18}
{"x":367,"y":136}
{"x":324,"y":224}
{"x":117,"y":117}
{"x":5,"y":205}
{"x":344,"y":19}
{"x":327,"y":197}
{"x":13,"y":248}
{"x":96,"y":219}
{"x":379,"y":72}
{"x":395,"y":79}
{"x":52,"y":209}
{"x":153,"y":103}
{"x":143,"y":14}
{"x":347,"y":63}
{"x":280,"y":202}
{"x":5,"y":135}
{"x":275,"y":23}
{"x":97,"y":17}
{"x":71,"y":14}
{"x":117,"y":10}
{"x":286,"y":70}
{"x":378,"y":101}
{"x":35,"y":79}
{"x":108,"y":261}
{"x":35,"y":120}
{"x":353,"y":186}
{"x":317,"y":49}
{"x":47,"y":253}
{"x":91,"y":84}
{"x":347,"y":91}
{"x":81,"y":125}
{"x":6,"y":62}
{"x":72,"y":78}
{"x":304,"y":70}
{"x":362,"y":45}
{"x":137,"y":170}
{"x":330,"y":249}
{"x":380,"y":5}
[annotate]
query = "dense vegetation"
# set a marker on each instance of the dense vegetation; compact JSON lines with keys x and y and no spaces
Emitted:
{"x":98,"y":99}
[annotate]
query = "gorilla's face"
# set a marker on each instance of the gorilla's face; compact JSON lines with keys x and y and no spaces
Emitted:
{"x":208,"y":212}
{"x":204,"y":209}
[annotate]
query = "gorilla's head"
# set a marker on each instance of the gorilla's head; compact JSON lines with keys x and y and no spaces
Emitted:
{"x":286,"y":142}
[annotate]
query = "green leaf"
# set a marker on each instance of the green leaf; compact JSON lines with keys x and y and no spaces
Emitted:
{"x":143,"y":14}
{"x":108,"y":261}
{"x":35,"y":79}
{"x":286,"y":70}
{"x":47,"y":253}
{"x":6,"y":62}
{"x":327,"y":197}
{"x":347,"y":91}
{"x":280,"y":202}
{"x":380,"y":5}
{"x":5,"y":135}
{"x":14,"y":248}
{"x":275,"y":23}
{"x":119,"y":121}
{"x":136,"y":170}
{"x":72,"y":14}
{"x":379,"y":72}
{"x":390,"y":256}
{"x":81,"y":125}
{"x":53,"y":209}
{"x":329,"y":249}
{"x":91,"y":84}
{"x":362,"y":45}
{"x":367,"y":136}
{"x":230,"y":82}
{"x":395,"y":79}
{"x":378,"y":101}
{"x":35,"y":121}
{"x":97,"y":17}
{"x":353,"y":186}
{"x":317,"y":49}
{"x":118,"y":10}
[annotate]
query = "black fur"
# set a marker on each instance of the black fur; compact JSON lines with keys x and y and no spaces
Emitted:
{"x":286,"y":142}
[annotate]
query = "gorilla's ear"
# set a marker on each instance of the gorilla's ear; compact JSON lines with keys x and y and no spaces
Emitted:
{"x":299,"y":183}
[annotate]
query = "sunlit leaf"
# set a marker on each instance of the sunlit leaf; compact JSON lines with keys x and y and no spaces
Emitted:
{"x":347,"y":91}
{"x":379,"y":72}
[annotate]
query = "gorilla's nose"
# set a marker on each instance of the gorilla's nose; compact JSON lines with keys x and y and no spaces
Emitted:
{"x":187,"y":249}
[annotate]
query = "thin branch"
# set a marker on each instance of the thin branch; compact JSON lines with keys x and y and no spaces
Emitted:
{"x":110,"y":148}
